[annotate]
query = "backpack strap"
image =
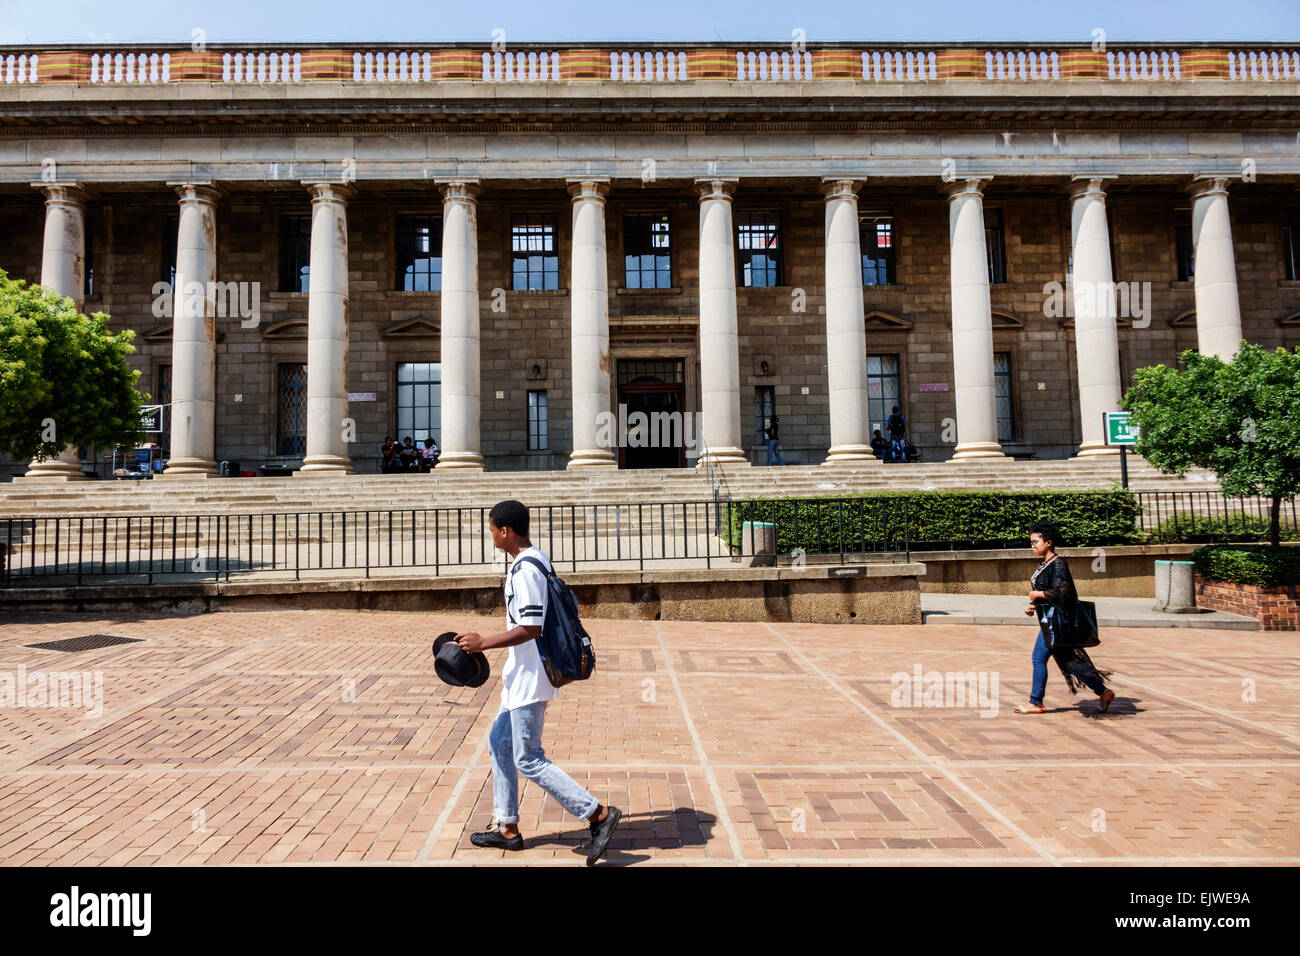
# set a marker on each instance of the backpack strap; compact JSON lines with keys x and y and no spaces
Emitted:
{"x":529,"y":559}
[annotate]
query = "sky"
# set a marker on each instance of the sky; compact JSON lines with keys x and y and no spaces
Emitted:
{"x":396,"y":21}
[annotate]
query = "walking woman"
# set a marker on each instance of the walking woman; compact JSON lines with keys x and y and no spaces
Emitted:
{"x":1052,"y":589}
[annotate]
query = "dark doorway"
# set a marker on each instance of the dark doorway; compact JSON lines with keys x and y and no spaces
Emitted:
{"x":653,"y":387}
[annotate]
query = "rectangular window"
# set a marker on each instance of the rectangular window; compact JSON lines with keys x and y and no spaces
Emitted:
{"x":535,"y":261}
{"x":1291,"y":242}
{"x":758,"y":238}
{"x":419,"y":402}
{"x":876,"y":234}
{"x":537,"y":421}
{"x":1183,"y":249}
{"x":419,"y":254}
{"x":164,"y":398}
{"x":995,"y":244}
{"x":764,"y":409}
{"x":89,"y":260}
{"x":647,"y":251}
{"x":171,"y":236}
{"x":882,"y":390}
{"x":291,"y":422}
{"x":1002,"y":391}
{"x":295,"y":253}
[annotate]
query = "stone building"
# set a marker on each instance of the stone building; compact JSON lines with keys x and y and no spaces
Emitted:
{"x":499,"y":248}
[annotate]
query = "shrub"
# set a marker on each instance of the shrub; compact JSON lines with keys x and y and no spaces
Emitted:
{"x":937,"y":519}
{"x":1186,"y":528}
{"x":1262,"y":566}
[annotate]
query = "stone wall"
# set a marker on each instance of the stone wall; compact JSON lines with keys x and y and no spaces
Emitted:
{"x":911,"y":319}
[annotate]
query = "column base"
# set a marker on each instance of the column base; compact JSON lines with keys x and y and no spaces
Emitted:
{"x":584,"y":458}
{"x":851,"y":455}
{"x":983,"y":449}
{"x":52,"y":470}
{"x":731,"y":457}
{"x":190,"y":468}
{"x":460,"y":461}
{"x":324,"y":466}
{"x":1095,"y":449}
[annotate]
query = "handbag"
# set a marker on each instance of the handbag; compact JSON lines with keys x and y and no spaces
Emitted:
{"x":1075,"y":626}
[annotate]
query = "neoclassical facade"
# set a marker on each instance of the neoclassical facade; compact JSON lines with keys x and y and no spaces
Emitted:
{"x":506,"y":250}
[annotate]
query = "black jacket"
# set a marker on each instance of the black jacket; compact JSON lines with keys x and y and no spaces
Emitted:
{"x":1057,"y":583}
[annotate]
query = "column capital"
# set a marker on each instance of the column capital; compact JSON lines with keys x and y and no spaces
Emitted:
{"x":465,"y":190}
{"x":197,"y":190}
{"x":1208,"y":184}
{"x":65,"y":191}
{"x":1082,"y":184}
{"x":716,"y":187}
{"x":841,"y":187}
{"x":967,"y":186}
{"x":587,"y":187}
{"x":323,"y":191}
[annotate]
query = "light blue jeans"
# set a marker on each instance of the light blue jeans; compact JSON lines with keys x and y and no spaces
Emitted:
{"x":774,"y":448}
{"x":516,"y":744}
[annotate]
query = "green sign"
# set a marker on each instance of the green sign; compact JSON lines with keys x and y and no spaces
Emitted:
{"x":1119,"y":429}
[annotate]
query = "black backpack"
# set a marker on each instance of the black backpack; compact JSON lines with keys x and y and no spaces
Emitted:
{"x":564,"y":645}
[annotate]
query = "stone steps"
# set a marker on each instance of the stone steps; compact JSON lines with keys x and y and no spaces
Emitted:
{"x":468,"y":490}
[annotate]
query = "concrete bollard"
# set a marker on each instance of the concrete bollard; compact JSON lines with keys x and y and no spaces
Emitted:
{"x":758,"y":544}
{"x":1175,"y":591}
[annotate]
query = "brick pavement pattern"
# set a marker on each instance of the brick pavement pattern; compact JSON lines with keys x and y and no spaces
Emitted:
{"x":310,"y":737}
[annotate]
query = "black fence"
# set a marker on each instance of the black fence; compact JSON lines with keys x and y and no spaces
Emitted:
{"x":77,"y":550}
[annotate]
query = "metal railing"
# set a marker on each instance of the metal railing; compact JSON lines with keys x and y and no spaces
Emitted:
{"x":100,"y":549}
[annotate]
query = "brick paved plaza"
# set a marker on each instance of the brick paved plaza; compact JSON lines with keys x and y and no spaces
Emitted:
{"x":324,"y":737}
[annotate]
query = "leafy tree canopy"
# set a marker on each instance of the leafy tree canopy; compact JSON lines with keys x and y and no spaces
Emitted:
{"x":64,"y":379}
{"x":1240,"y":419}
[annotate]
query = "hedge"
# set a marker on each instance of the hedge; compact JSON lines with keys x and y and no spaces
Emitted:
{"x":936,"y":519}
{"x":1261,"y":566}
{"x":1248,"y":527}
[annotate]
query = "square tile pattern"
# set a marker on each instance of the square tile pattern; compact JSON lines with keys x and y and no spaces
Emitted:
{"x":321,"y":736}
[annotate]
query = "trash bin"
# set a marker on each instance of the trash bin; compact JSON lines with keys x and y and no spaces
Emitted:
{"x":758,"y":544}
{"x":1175,"y":590}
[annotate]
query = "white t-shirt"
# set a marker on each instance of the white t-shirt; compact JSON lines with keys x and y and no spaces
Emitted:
{"x":524,"y":679}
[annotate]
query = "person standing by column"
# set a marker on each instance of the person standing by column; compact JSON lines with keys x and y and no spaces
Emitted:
{"x":516,"y":735}
{"x":774,"y":441}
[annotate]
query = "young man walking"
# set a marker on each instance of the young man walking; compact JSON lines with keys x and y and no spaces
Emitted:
{"x":516,"y":736}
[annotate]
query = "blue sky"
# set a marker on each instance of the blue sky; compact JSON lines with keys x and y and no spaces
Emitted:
{"x":104,"y":21}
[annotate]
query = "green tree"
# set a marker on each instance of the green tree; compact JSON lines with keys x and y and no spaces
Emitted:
{"x":1240,"y":419}
{"x":64,"y":378}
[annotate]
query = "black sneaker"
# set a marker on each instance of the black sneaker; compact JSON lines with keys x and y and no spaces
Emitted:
{"x":492,"y":838}
{"x":601,"y":832}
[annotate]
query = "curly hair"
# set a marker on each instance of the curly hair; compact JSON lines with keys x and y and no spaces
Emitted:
{"x":1049,"y":531}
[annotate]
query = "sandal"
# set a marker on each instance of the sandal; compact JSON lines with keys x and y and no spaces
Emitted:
{"x":1030,"y":709}
{"x":1106,"y":698}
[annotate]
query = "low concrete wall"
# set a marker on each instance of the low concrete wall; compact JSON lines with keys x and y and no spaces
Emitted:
{"x":871,"y":594}
{"x":1120,"y":571}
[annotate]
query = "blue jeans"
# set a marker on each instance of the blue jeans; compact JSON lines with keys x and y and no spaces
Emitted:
{"x":773,"y":448}
{"x":516,"y":745}
{"x":1042,"y":654}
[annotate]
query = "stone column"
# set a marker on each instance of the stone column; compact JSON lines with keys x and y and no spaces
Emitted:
{"x":1096,"y":338}
{"x":1218,"y":314}
{"x":719,"y":345}
{"x":846,"y":340}
{"x":972,"y":324}
{"x":63,"y":269}
{"x":194,"y":335}
{"x":589,"y":325}
{"x":327,"y":332}
{"x":460,"y":325}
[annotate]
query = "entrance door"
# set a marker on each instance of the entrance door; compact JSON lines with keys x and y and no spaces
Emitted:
{"x":653,"y":387}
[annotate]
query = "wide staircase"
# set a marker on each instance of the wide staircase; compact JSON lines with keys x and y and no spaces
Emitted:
{"x":442,"y":489}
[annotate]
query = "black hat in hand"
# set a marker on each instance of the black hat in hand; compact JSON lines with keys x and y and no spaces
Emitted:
{"x":454,"y":666}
